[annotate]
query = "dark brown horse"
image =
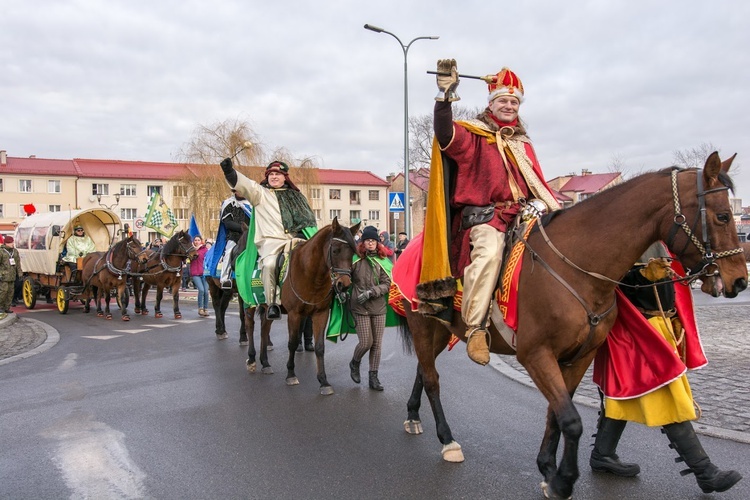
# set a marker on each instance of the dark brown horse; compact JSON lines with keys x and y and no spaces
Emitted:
{"x":162,"y":269}
{"x":567,"y":294}
{"x":221,"y":297}
{"x":319,"y":270}
{"x":104,"y":271}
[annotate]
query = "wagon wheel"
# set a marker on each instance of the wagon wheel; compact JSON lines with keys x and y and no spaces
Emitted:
{"x":62,"y":300}
{"x":29,"y":292}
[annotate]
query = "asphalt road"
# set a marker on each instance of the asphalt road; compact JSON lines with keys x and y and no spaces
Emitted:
{"x":161,"y":409}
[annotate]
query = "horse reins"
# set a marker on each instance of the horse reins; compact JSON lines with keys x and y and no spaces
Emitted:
{"x":335,"y":274}
{"x":709,"y":257}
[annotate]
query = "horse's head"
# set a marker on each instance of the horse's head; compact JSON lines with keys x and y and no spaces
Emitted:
{"x":341,"y":249}
{"x":704,"y":236}
{"x":135,"y":250}
{"x":180,"y":245}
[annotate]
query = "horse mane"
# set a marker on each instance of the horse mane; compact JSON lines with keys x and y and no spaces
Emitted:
{"x":171,"y":244}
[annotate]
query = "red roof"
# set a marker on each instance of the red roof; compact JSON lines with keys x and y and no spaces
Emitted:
{"x":353,"y":177}
{"x":122,"y":169}
{"x":419,"y":178}
{"x":38,"y":166}
{"x":589,"y":183}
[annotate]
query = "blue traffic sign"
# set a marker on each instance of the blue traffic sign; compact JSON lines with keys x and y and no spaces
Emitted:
{"x":396,"y":202}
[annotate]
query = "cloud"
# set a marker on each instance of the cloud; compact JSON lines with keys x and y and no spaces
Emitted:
{"x":635,"y":80}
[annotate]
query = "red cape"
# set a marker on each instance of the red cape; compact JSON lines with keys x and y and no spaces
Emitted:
{"x":635,"y":359}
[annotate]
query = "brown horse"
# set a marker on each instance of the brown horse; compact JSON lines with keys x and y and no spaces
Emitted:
{"x":566,"y":295}
{"x":319,"y":270}
{"x":104,"y":271}
{"x":162,"y":270}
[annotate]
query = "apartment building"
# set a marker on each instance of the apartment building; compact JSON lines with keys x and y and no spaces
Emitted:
{"x":125,"y":187}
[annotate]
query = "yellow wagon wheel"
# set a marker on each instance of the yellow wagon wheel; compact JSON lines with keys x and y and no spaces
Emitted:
{"x":29,"y":293}
{"x":62,"y":301}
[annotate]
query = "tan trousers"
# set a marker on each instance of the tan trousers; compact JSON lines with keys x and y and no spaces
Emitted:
{"x":268,"y":271}
{"x":480,"y":276}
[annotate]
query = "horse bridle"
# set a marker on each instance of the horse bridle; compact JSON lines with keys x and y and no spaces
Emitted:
{"x":704,"y":246}
{"x":166,"y":267}
{"x":680,"y":222}
{"x":335,"y":274}
{"x":132,"y":254}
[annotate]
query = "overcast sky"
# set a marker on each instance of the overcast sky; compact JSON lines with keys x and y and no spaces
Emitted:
{"x":628,"y":80}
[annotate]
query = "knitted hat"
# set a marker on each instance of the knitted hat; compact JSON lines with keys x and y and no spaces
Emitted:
{"x":283,"y":168}
{"x":9,"y":239}
{"x":370,"y":233}
{"x":506,"y":83}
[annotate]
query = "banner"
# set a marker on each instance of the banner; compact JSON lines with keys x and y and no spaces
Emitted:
{"x":159,"y":217}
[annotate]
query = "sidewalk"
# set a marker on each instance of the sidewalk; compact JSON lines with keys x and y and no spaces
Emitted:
{"x":722,"y":389}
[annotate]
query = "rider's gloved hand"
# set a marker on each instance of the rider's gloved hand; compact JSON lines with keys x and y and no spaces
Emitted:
{"x":229,"y":172}
{"x":657,"y":270}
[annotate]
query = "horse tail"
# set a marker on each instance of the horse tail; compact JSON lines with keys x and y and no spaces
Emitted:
{"x":405,"y":333}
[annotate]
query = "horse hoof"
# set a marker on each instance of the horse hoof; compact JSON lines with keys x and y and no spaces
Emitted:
{"x":244,"y":342}
{"x":158,"y":315}
{"x":178,"y":316}
{"x":551,"y":494}
{"x":221,"y":336}
{"x":144,"y":312}
{"x":413,"y":426}
{"x":326,"y":390}
{"x":452,"y":452}
{"x":251,"y":367}
{"x":136,"y":311}
{"x":126,"y":318}
{"x":109,"y":316}
{"x":266,"y":370}
{"x":99,"y":314}
{"x":292,"y":381}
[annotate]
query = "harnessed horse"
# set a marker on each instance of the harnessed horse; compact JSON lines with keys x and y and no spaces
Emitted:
{"x":103,"y":271}
{"x":566,"y":294}
{"x":162,"y":269}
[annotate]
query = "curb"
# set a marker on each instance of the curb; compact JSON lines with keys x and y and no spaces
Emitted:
{"x":501,"y":366}
{"x":53,"y":337}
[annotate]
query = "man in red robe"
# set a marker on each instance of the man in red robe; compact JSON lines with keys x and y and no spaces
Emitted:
{"x":493,"y":172}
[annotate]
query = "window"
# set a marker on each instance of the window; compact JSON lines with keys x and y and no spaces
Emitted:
{"x":355,"y":216}
{"x":374,"y":195}
{"x":354,"y":197}
{"x":128,"y":213}
{"x":180,"y":191}
{"x":24,"y":185}
{"x":315,"y":211}
{"x":127,"y":189}
{"x":1,"y":185}
{"x":181,"y":213}
{"x":314,"y":193}
{"x":102,"y":189}
{"x":334,"y":214}
{"x":374,"y":215}
{"x":214,"y":214}
{"x":153,"y":189}
{"x":334,"y":194}
{"x":2,"y":212}
{"x":53,"y":186}
{"x":53,"y":208}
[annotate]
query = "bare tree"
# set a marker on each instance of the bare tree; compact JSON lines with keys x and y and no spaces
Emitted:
{"x":694,"y":157}
{"x":421,"y":133}
{"x":206,"y":187}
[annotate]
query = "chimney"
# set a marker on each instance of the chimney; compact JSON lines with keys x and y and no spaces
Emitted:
{"x":3,"y":158}
{"x":585,"y":171}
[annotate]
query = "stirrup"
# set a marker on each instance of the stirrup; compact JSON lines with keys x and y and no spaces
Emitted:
{"x":226,"y":285}
{"x":273,"y":311}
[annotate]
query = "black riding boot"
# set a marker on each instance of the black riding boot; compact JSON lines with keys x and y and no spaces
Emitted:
{"x":374,"y":382}
{"x":354,"y":371}
{"x":603,"y":456}
{"x":709,"y":477}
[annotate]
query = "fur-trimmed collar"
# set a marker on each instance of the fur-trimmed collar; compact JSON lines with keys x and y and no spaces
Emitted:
{"x":484,"y":121}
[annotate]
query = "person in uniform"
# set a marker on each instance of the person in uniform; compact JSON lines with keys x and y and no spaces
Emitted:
{"x":10,"y":268}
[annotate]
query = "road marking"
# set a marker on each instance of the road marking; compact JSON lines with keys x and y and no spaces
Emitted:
{"x":69,"y":362}
{"x":106,"y":337}
{"x":94,"y":459}
{"x":161,"y":325}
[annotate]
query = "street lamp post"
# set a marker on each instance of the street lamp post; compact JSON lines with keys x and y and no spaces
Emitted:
{"x":104,"y":205}
{"x":405,"y":48}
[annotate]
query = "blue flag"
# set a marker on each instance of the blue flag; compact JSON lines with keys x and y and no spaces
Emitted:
{"x":193,"y":231}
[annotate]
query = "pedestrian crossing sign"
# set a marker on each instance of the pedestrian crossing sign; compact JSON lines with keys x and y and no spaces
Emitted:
{"x":395,"y":202}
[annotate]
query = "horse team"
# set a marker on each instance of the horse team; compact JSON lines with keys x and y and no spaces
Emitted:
{"x":565,"y":302}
